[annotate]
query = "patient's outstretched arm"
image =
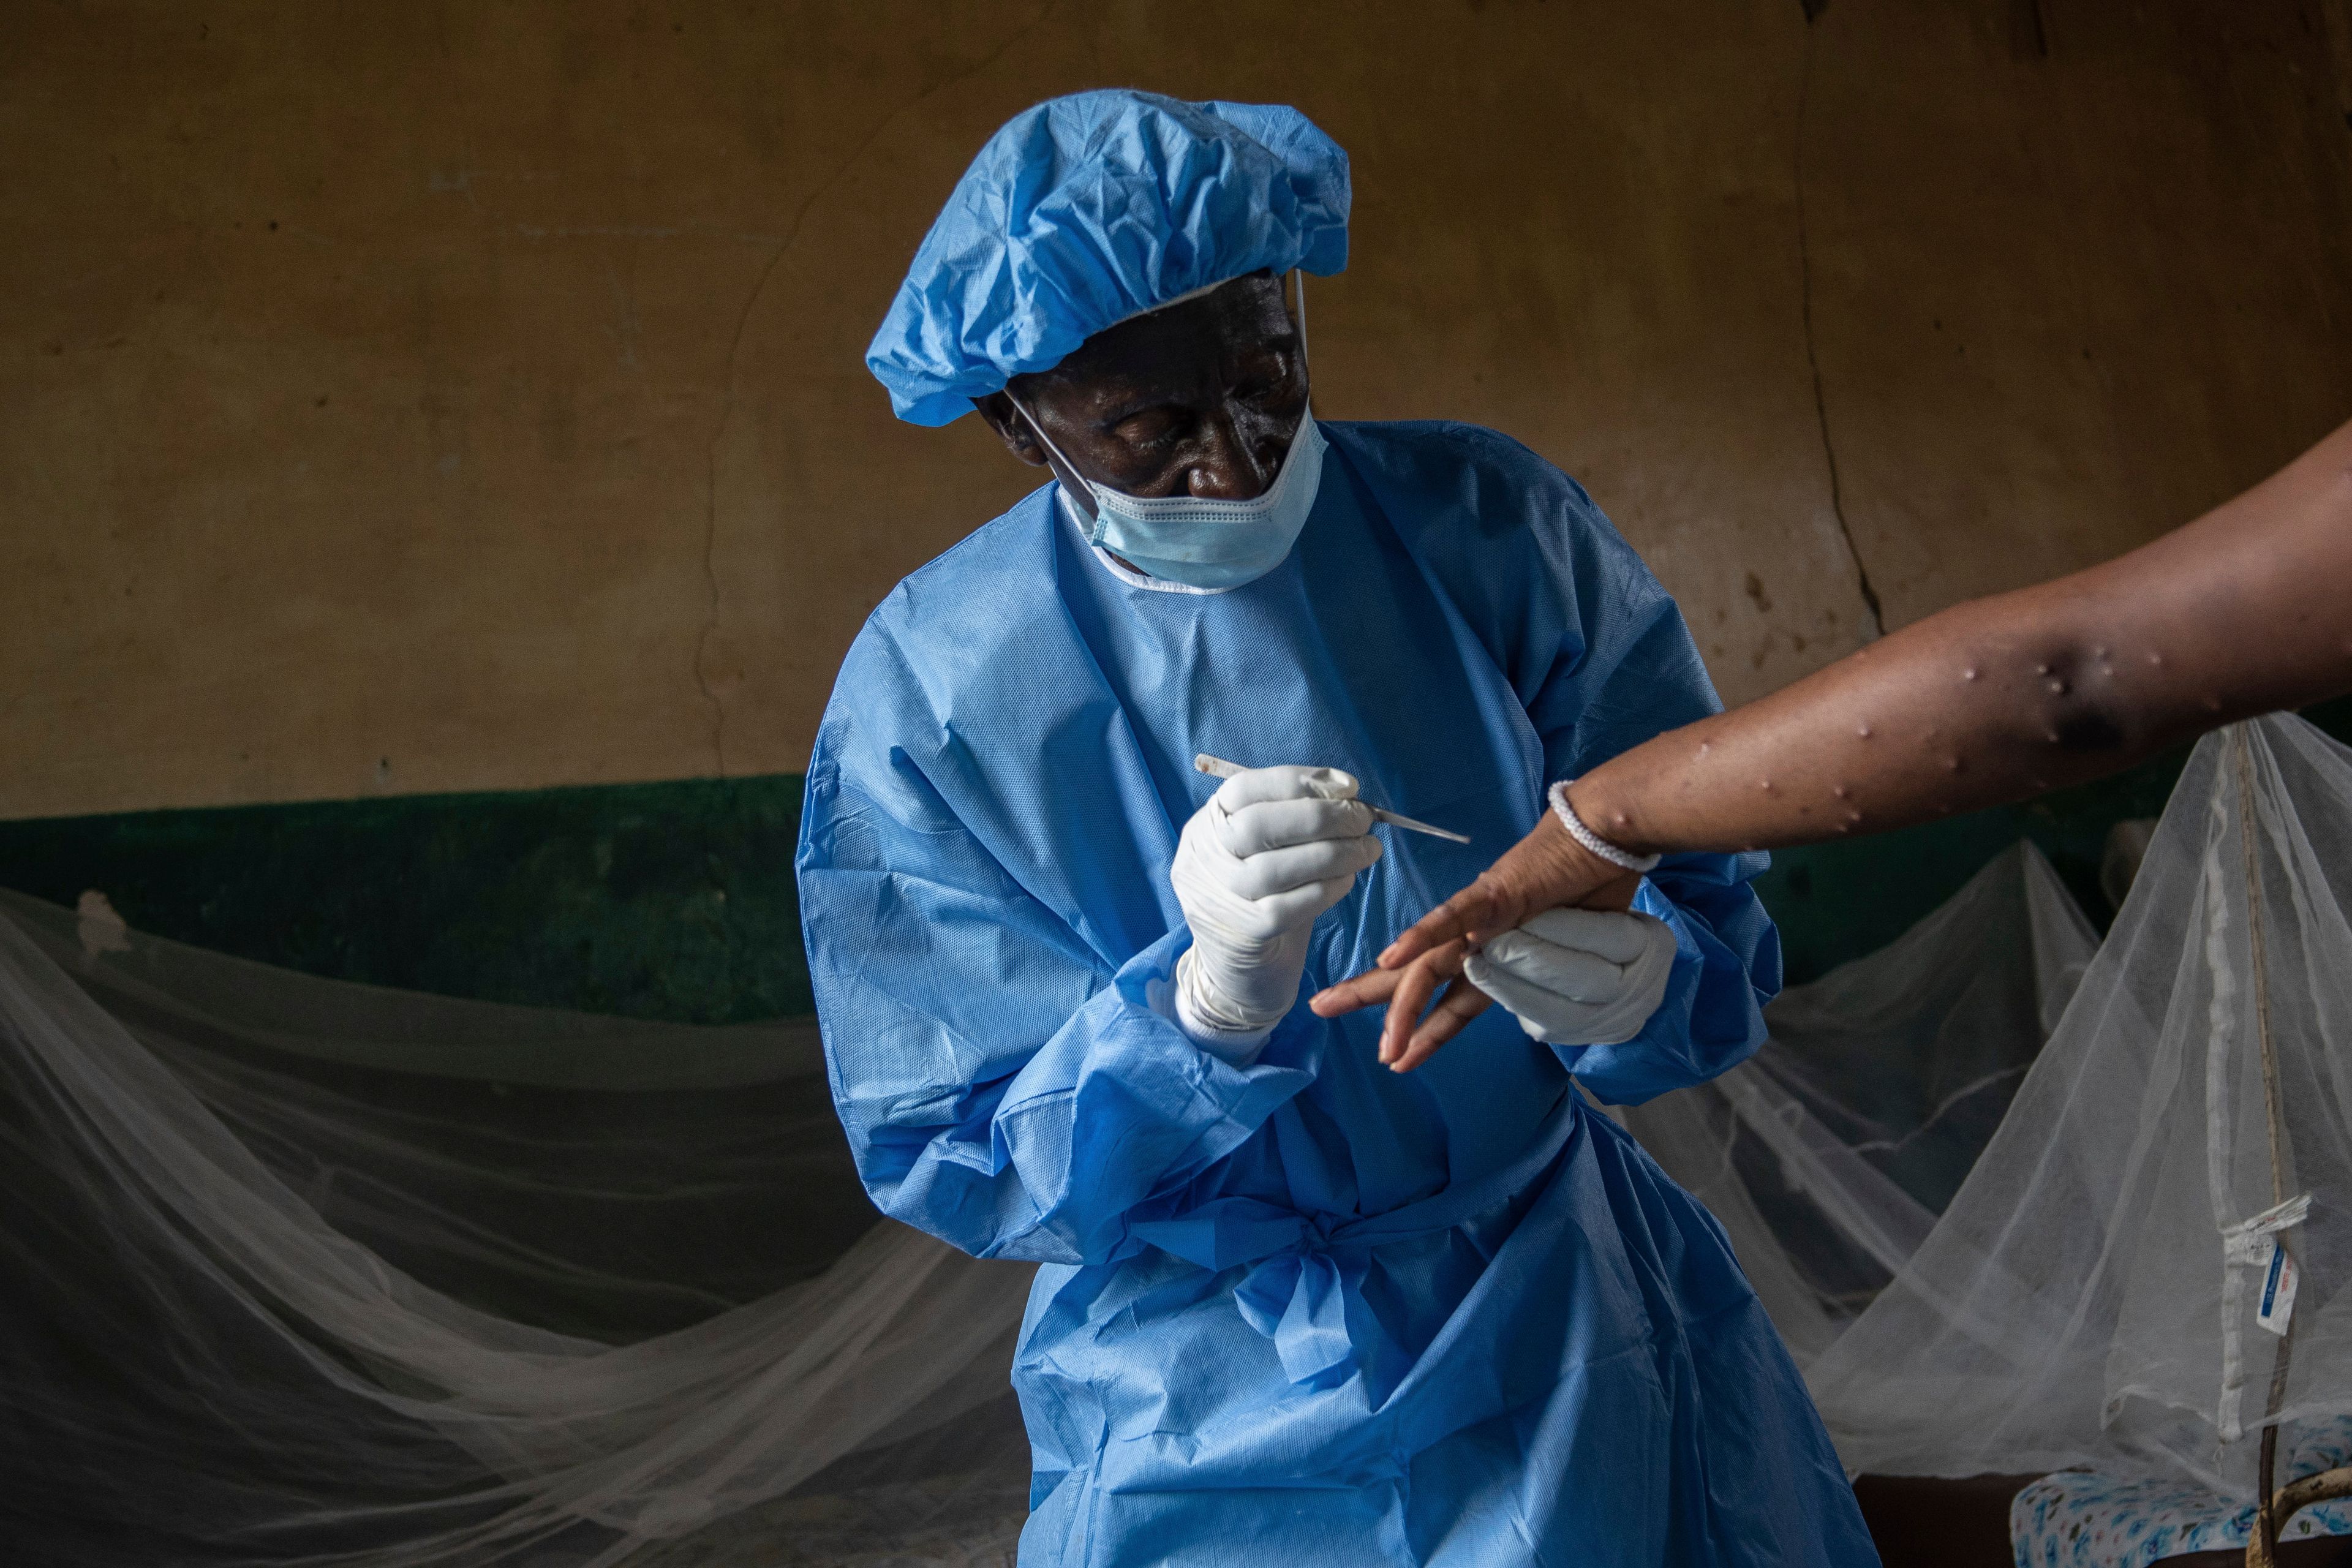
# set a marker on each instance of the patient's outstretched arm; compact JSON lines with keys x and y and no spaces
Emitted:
{"x":2246,"y":610}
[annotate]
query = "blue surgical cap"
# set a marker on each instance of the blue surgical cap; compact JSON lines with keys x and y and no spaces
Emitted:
{"x":1088,"y":209}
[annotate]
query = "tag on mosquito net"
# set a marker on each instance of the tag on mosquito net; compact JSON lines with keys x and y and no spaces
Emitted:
{"x":2253,"y":1244}
{"x":2277,"y":1303}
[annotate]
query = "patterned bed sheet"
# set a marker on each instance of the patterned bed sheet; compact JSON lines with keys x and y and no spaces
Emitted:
{"x":2082,"y":1519}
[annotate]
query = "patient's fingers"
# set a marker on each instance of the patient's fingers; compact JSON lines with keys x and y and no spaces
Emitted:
{"x":1407,"y":990}
{"x":1471,"y":910}
{"x":1404,"y":992}
{"x":1415,"y":986}
{"x":1415,"y":989}
{"x":1461,"y":1003}
{"x":1370,"y":989}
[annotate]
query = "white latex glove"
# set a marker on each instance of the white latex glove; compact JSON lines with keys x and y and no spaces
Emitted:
{"x":1578,"y":977}
{"x":1272,"y":849}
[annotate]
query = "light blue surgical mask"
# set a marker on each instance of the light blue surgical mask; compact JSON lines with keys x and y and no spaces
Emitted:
{"x":1202,"y":542}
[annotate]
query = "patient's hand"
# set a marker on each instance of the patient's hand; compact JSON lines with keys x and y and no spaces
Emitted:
{"x":1544,"y":869}
{"x":1406,"y":992}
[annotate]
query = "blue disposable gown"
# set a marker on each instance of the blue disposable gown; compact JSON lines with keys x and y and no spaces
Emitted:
{"x":1304,"y":1312}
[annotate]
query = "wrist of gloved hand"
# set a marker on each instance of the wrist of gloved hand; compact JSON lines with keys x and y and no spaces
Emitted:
{"x":1578,"y":977}
{"x":1211,"y":1019}
{"x":1233,"y":988}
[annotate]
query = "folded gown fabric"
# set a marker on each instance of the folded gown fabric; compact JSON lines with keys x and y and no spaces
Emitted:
{"x":1306,"y":1307}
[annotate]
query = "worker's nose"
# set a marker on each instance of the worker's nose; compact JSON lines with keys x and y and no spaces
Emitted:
{"x":1231,"y":467}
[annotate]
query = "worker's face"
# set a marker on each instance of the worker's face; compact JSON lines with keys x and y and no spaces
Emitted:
{"x":1199,"y":399}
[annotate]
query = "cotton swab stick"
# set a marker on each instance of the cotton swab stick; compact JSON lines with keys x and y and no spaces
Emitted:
{"x":1218,"y":768}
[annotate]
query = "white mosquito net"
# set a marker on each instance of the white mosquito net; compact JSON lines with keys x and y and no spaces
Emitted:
{"x":306,"y":1273}
{"x":2093,"y":1294}
{"x":299,"y":1271}
{"x":1829,"y":1154}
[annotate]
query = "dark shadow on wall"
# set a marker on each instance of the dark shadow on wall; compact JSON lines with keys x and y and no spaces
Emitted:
{"x":677,"y":900}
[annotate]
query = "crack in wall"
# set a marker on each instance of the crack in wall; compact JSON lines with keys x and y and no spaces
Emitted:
{"x":734,"y":347}
{"x":1877,"y":628}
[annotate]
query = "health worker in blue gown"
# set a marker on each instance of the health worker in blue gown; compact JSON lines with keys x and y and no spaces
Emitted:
{"x":1293,"y":1308}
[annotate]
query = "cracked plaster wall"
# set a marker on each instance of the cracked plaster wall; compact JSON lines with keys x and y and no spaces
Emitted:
{"x":445,"y":396}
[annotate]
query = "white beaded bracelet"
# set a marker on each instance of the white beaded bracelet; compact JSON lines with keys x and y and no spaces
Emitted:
{"x":1593,"y":841}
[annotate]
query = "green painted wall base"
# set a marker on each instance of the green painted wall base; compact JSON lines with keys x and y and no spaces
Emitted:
{"x":677,"y":900}
{"x":664,"y":900}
